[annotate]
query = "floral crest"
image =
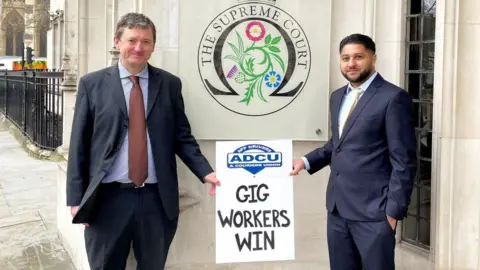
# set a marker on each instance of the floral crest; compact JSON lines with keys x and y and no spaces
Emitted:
{"x":247,"y":68}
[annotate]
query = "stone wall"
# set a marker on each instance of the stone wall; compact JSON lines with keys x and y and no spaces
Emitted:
{"x":455,"y":207}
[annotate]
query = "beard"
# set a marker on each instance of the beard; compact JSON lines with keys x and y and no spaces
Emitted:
{"x":361,"y":78}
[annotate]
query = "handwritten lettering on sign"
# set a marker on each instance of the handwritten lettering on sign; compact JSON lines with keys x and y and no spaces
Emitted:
{"x":254,"y":214}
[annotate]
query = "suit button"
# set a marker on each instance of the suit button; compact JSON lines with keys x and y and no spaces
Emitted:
{"x":338,"y":173}
{"x":338,"y":150}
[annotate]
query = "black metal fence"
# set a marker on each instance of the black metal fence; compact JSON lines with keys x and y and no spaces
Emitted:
{"x":33,"y":101}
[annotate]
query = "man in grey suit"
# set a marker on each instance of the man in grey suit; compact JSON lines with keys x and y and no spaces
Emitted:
{"x":372,"y":158}
{"x":129,"y":124}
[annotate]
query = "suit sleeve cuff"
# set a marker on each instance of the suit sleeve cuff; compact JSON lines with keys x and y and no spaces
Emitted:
{"x":74,"y":201}
{"x":307,"y":164}
{"x":205,"y":171}
{"x":394,"y":211}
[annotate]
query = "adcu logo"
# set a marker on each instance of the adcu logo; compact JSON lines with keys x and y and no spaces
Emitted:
{"x":254,"y":158}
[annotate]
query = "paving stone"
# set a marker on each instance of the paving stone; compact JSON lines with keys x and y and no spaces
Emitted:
{"x":28,"y":194}
{"x":13,"y":220}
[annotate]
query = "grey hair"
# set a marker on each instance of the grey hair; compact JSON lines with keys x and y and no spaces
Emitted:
{"x":135,"y":20}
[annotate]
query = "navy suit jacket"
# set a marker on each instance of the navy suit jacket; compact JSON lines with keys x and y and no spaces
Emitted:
{"x":373,"y":164}
{"x":100,"y":124}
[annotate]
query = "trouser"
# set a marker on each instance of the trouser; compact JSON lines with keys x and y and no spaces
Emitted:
{"x":125,"y":218}
{"x":360,"y":245}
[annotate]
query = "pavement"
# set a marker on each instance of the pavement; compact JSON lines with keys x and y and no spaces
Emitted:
{"x":28,"y":195}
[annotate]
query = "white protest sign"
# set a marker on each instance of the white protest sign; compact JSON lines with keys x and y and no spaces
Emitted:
{"x":254,"y":204}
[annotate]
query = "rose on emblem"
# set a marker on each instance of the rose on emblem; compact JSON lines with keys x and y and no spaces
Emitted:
{"x":255,"y":31}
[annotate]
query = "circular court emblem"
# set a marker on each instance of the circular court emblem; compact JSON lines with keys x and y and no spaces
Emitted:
{"x":254,"y":58}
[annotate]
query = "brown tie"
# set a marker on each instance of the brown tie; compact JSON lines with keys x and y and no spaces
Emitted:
{"x":137,"y":136}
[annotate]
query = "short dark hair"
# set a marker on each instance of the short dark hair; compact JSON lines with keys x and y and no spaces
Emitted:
{"x":135,"y":20}
{"x":364,"y":40}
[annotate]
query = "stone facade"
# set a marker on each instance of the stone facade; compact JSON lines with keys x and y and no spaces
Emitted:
{"x":88,"y":40}
{"x":23,"y":21}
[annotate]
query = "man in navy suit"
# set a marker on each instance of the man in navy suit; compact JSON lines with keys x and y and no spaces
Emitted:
{"x":129,"y":125}
{"x":372,"y":158}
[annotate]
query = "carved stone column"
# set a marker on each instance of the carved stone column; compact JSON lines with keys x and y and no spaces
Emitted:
{"x":456,"y":136}
{"x":37,"y":43}
{"x":114,"y":56}
{"x":69,"y":88}
{"x":3,"y":42}
{"x":168,"y":36}
{"x":114,"y":52}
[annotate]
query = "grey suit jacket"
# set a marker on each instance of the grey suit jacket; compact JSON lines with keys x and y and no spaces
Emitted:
{"x":100,"y":125}
{"x":373,"y":164}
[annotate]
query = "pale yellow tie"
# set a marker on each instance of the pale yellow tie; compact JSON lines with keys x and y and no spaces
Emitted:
{"x":356,"y":93}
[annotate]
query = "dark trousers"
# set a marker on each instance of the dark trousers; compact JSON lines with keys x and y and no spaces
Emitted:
{"x":125,"y":218}
{"x":360,"y":245}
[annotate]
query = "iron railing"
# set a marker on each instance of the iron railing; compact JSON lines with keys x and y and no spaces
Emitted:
{"x":33,"y":101}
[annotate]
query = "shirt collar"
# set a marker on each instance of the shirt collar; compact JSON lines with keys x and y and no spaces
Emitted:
{"x":124,"y":73}
{"x":364,"y":85}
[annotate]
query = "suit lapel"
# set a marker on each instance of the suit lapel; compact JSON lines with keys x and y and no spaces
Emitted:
{"x":367,"y":95}
{"x":113,"y":83}
{"x":337,"y":102}
{"x":154,"y":83}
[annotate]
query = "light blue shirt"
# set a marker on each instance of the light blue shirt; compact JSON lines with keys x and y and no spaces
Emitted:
{"x":119,"y":170}
{"x":348,"y":99}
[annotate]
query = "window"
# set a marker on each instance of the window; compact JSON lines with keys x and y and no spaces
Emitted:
{"x":420,"y":58}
